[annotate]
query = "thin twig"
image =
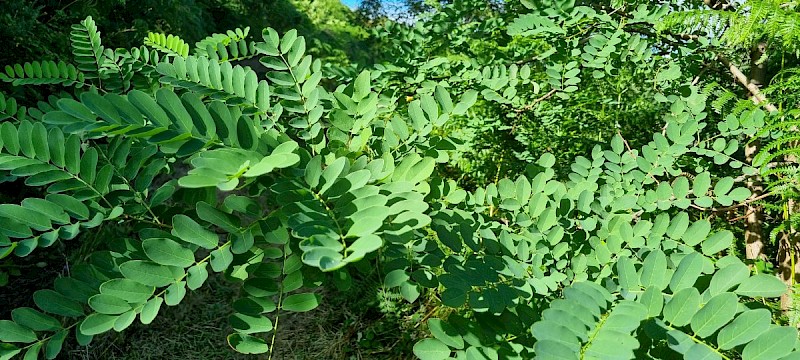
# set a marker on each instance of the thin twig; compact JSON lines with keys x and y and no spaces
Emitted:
{"x":758,"y":97}
{"x":538,"y":100}
{"x":732,"y":207}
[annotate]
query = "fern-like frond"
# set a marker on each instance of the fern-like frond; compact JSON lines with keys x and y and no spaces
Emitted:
{"x":178,"y":125}
{"x":43,"y":73}
{"x":234,"y":84}
{"x":77,"y":183}
{"x":87,"y":48}
{"x":724,"y":98}
{"x":774,"y":149}
{"x":168,"y":44}
{"x":230,"y":46}
{"x":233,"y":51}
{"x":226,"y":38}
{"x":700,"y":20}
{"x":10,"y":109}
{"x":781,"y":171}
{"x":754,"y":20}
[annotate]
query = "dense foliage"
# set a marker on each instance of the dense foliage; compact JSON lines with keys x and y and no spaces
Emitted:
{"x":327,"y":23}
{"x":562,"y":179}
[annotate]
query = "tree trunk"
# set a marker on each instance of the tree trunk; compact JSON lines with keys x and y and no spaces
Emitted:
{"x":753,"y":232}
{"x":788,"y":245}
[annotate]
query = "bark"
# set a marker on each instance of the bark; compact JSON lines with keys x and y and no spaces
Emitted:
{"x":787,"y":263}
{"x":753,"y":232}
{"x":788,"y":247}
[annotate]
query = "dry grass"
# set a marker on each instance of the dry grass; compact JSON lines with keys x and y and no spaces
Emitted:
{"x":197,"y":328}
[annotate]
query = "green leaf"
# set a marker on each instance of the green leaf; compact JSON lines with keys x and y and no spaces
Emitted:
{"x":148,"y":106}
{"x":55,"y":303}
{"x":628,"y":278}
{"x":194,"y":181}
{"x":178,"y":115}
{"x":689,"y":269}
{"x":128,"y":290}
{"x":728,"y":277}
{"x":34,"y":319}
{"x":739,"y":194}
{"x":33,"y":352}
{"x":772,"y":344}
{"x":97,"y":324}
{"x":364,"y":245}
{"x":332,"y":172}
{"x":761,"y":285}
{"x":288,"y":40}
{"x":254,"y":305}
{"x":71,"y":205}
{"x":361,"y":86}
{"x":247,"y":324}
{"x":107,"y":304}
{"x":467,"y":100}
{"x":746,"y":327}
{"x":197,"y":275}
{"x":212,"y":215}
{"x":13,"y":332}
{"x":552,"y":349}
{"x":547,"y":160}
{"x":89,"y":165}
{"x":147,"y":273}
{"x":168,"y":252}
{"x":421,"y":170}
{"x":697,"y":232}
{"x":36,"y":220}
{"x":81,"y":338}
{"x":654,"y":270}
{"x":443,"y":98}
{"x":124,"y":320}
{"x":409,"y":292}
{"x":701,"y":352}
{"x":445,"y":333}
{"x":52,"y":210}
{"x":300,"y":302}
{"x":716,"y":313}
{"x":717,"y":242}
{"x":431,"y":349}
{"x":150,"y":310}
{"x":72,"y":153}
{"x":701,"y":184}
{"x":313,"y":171}
{"x":175,"y":293}
{"x":395,"y":277}
{"x":190,"y":231}
{"x":682,"y":307}
{"x":678,"y":225}
{"x":673,"y":72}
{"x":221,"y":259}
{"x":652,"y":300}
{"x":74,"y":289}
{"x":53,"y":346}
{"x":723,"y":186}
{"x":8,"y":351}
{"x":269,"y":163}
{"x":247,"y":344}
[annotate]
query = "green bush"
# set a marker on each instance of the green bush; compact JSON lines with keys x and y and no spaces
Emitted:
{"x":283,"y":185}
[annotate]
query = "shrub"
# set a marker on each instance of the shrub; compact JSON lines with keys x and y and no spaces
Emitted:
{"x":282,"y":185}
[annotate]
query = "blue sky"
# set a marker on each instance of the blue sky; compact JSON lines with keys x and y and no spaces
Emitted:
{"x":351,"y":3}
